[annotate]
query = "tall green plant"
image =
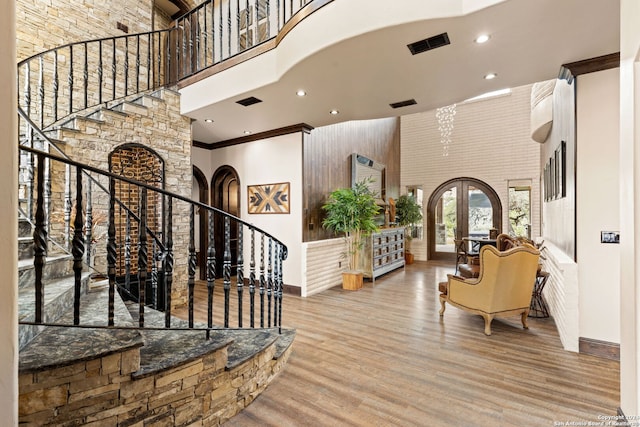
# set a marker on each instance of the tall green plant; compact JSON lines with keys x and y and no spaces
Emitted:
{"x":408,"y":213}
{"x":351,"y":211}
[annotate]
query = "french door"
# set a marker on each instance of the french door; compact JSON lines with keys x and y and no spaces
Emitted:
{"x":459,"y":208}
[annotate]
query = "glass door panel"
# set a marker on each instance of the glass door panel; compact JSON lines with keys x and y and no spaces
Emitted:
{"x":446,"y":216}
{"x":480,"y":214}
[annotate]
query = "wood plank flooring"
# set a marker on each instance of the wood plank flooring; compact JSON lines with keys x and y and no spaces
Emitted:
{"x":381,"y":356}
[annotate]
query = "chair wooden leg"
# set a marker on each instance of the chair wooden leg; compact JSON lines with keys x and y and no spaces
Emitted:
{"x":525,"y":315}
{"x":487,"y":323}
{"x":442,"y":301}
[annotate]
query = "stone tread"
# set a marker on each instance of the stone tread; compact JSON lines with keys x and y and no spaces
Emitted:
{"x":62,"y":346}
{"x":53,"y":290}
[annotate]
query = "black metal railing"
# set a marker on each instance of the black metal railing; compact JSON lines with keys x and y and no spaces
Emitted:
{"x":265,"y":252}
{"x":215,"y":31}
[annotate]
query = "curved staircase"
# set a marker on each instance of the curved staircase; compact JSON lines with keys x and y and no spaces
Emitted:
{"x":99,"y":344}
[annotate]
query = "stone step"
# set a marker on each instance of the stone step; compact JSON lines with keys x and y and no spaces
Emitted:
{"x":24,"y":228}
{"x":166,"y":348}
{"x":58,"y":299}
{"x":131,"y":108}
{"x":25,"y":247}
{"x":56,"y":266}
{"x":61,"y":346}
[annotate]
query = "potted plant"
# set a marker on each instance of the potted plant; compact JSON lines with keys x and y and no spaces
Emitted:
{"x":351,"y":211}
{"x":408,"y":213}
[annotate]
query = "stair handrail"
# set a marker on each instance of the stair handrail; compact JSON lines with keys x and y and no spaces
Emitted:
{"x":95,"y":181}
{"x":151,"y":53}
{"x":141,"y":184}
{"x":270,"y":279}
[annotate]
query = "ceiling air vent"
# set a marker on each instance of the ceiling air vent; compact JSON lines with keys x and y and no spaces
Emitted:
{"x":403,"y":103}
{"x":249,"y":101}
{"x":429,"y":44}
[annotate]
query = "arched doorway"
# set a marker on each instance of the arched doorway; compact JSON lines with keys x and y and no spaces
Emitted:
{"x":460,"y":207}
{"x":225,"y":195}
{"x":200,"y":193}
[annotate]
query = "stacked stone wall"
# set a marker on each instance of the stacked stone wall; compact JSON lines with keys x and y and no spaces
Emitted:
{"x":105,"y":391}
{"x":43,"y":25}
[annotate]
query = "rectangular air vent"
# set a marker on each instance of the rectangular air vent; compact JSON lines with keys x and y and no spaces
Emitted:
{"x":429,"y":44}
{"x":249,"y":101}
{"x":403,"y":103}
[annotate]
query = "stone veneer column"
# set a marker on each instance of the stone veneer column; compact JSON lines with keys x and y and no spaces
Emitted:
{"x":8,"y":216}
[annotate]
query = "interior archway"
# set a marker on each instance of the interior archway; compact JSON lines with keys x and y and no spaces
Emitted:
{"x":225,"y":195}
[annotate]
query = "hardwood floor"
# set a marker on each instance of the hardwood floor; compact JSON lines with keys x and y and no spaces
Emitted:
{"x":381,"y":356}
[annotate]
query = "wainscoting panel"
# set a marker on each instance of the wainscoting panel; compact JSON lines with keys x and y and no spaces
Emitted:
{"x":561,"y":294}
{"x":322,"y":265}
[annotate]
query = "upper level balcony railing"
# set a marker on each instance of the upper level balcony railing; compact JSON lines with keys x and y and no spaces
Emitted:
{"x":218,"y":30}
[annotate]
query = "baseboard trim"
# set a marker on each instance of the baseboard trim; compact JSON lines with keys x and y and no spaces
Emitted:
{"x":604,"y":349}
{"x":292,"y":290}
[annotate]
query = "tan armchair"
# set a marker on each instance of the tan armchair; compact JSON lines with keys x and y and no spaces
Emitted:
{"x":503,"y":288}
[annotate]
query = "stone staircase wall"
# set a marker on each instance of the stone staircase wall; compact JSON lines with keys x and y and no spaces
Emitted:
{"x":152,"y":120}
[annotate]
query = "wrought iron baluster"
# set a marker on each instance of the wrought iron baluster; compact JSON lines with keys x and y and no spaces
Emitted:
{"x":226,"y":268}
{"x":252,"y":280}
{"x":127,"y":254}
{"x":240,"y":273}
{"x":220,"y":31}
{"x":154,"y":274}
{"x":211,"y":270}
{"x":205,"y":36}
{"x":41,"y":90}
{"x":55,"y":86}
{"x":191,"y":283}
{"x":39,"y":241}
{"x":126,"y":66}
{"x":138,"y":63}
{"x":149,"y":44}
{"x":68,"y":204}
{"x":269,"y":281}
{"x":85,"y":75}
{"x":158,"y":46}
{"x":168,"y":263}
{"x":280,"y":288}
{"x":247,"y":43}
{"x":47,"y":187}
{"x":114,"y":67}
{"x":30,"y":135}
{"x":111,"y":248}
{"x":89,"y":222}
{"x":238,"y":47}
{"x":196,"y":30}
{"x":100,"y":71}
{"x":70,"y":79}
{"x":77,"y":248}
{"x":262,"y":281}
{"x":229,"y":28}
{"x":142,"y":255}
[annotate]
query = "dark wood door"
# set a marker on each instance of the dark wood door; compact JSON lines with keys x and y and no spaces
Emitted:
{"x":225,"y":190}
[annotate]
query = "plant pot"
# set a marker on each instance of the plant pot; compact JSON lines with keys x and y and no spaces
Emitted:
{"x":352,"y":280}
{"x":408,"y":258}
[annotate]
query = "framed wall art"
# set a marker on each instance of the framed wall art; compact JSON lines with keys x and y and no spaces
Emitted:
{"x":268,"y":198}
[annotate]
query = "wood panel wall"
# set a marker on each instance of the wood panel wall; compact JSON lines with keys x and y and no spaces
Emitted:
{"x":327,"y":164}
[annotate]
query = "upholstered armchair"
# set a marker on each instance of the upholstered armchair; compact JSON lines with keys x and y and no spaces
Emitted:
{"x":503,"y":288}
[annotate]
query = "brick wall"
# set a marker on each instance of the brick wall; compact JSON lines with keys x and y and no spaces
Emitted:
{"x":490,"y":142}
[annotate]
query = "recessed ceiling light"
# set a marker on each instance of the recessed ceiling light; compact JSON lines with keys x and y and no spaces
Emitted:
{"x":334,"y":112}
{"x":208,"y":121}
{"x":482,"y":38}
{"x":247,"y":132}
{"x":490,"y":76}
{"x":301,"y":93}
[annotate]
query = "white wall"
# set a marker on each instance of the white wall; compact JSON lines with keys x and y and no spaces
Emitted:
{"x":629,"y":200}
{"x":490,"y":142}
{"x":8,"y":217}
{"x":267,"y":161}
{"x":597,"y":203}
